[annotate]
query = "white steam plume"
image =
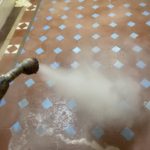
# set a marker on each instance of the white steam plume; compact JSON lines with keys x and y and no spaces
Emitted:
{"x":106,"y":99}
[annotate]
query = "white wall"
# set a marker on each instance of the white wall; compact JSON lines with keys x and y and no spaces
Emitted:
{"x":6,"y":7}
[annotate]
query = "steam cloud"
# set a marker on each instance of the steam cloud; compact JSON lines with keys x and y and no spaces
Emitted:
{"x":104,"y":98}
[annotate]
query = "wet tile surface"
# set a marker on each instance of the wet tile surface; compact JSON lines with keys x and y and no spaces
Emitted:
{"x":114,"y":33}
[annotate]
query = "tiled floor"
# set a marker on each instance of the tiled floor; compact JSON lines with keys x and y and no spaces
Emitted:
{"x":115,"y":33}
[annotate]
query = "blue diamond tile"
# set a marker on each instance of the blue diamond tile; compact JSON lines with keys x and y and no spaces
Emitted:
{"x":46,"y":104}
{"x":80,"y":1}
{"x":40,"y":130}
{"x":78,"y":26}
{"x":23,"y":103}
{"x":118,"y":64}
{"x":71,"y":104}
{"x":74,"y":64}
{"x":131,"y":24}
{"x":60,"y":37}
{"x":97,"y":132}
{"x":54,"y":2}
{"x":145,"y":83}
{"x":76,"y":50}
{"x":55,"y":65}
{"x":127,"y":133}
{"x":95,"y":7}
{"x":66,"y":8}
{"x":137,"y":48}
{"x":39,"y":51}
{"x":77,"y":37}
{"x":96,"y":49}
{"x":113,"y":24}
{"x":32,"y":28}
{"x":50,"y":83}
{"x":142,"y":4}
{"x":27,"y":39}
{"x":140,"y":64}
{"x":95,"y":25}
{"x":16,"y":127}
{"x":2,"y":102}
{"x":95,"y":15}
{"x":112,"y":15}
{"x":79,"y":16}
{"x":51,"y":9}
{"x":64,"y":17}
{"x":57,"y":50}
{"x":70,"y":130}
{"x":146,"y":13}
{"x":96,"y":36}
{"x":110,"y":6}
{"x":67,"y":1}
{"x":114,"y":36}
{"x":46,"y":27}
{"x":148,"y":23}
{"x":35,"y":19}
{"x":43,"y":38}
{"x":48,"y":18}
{"x":126,"y":5}
{"x":147,"y":105}
{"x":80,"y":7}
{"x":128,"y":14}
{"x":96,"y":64}
{"x":116,"y":49}
{"x":134,"y":35}
{"x":29,"y":82}
{"x":62,"y":26}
